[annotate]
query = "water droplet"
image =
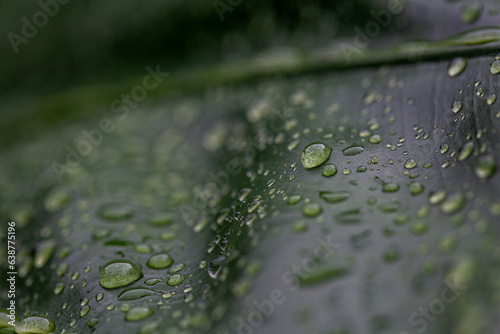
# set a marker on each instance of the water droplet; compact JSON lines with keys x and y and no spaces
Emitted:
{"x":453,"y":204}
{"x":437,"y":197}
{"x":161,"y":219}
{"x":353,"y":150}
{"x":471,"y":11}
{"x":312,"y":210}
{"x":294,"y":199}
{"x":115,"y":212}
{"x":99,"y":297}
{"x":334,"y":196}
{"x":175,"y":279}
{"x":118,"y":273}
{"x":491,"y":99}
{"x":466,"y":151}
{"x":361,"y":169}
{"x":457,"y":66}
{"x":138,"y":313}
{"x":135,"y":293}
{"x":176,"y":267}
{"x":375,"y":139}
{"x":84,"y":310}
{"x":152,"y":281}
{"x":92,"y":322}
{"x":56,"y":200}
{"x":495,"y":67}
{"x":390,"y":187}
{"x":59,"y":288}
{"x":323,"y":272}
{"x":101,"y":233}
{"x":160,"y":261}
{"x":299,"y":226}
{"x":457,"y":106}
{"x":419,"y":228}
{"x":329,"y":170}
{"x":416,"y":188}
{"x":349,"y":216}
{"x":410,"y":163}
{"x":315,"y":154}
{"x":485,"y":167}
{"x":44,"y":251}
{"x":35,"y":324}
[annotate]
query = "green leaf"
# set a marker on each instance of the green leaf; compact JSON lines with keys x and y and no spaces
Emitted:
{"x":296,"y":190}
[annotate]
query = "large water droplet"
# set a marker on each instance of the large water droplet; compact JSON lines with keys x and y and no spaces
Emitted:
{"x":35,"y":325}
{"x":315,"y":154}
{"x":160,"y":261}
{"x":119,"y":273}
{"x":457,"y":66}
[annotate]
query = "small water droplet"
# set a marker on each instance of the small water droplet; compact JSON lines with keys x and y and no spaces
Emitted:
{"x":375,"y":139}
{"x":410,"y":163}
{"x":353,"y":150}
{"x":329,"y":170}
{"x":160,"y":261}
{"x":466,"y":151}
{"x":390,"y":187}
{"x":453,"y":204}
{"x":419,"y":228}
{"x":294,"y":199}
{"x":312,"y":210}
{"x":416,"y":188}
{"x":135,"y":293}
{"x":44,"y":251}
{"x":437,"y":197}
{"x":457,"y":106}
{"x":471,"y":11}
{"x":485,"y":167}
{"x":175,"y":279}
{"x":138,"y":313}
{"x":335,"y":196}
{"x":495,"y":67}
{"x":457,"y":66}
{"x":115,"y":212}
{"x":84,"y":310}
